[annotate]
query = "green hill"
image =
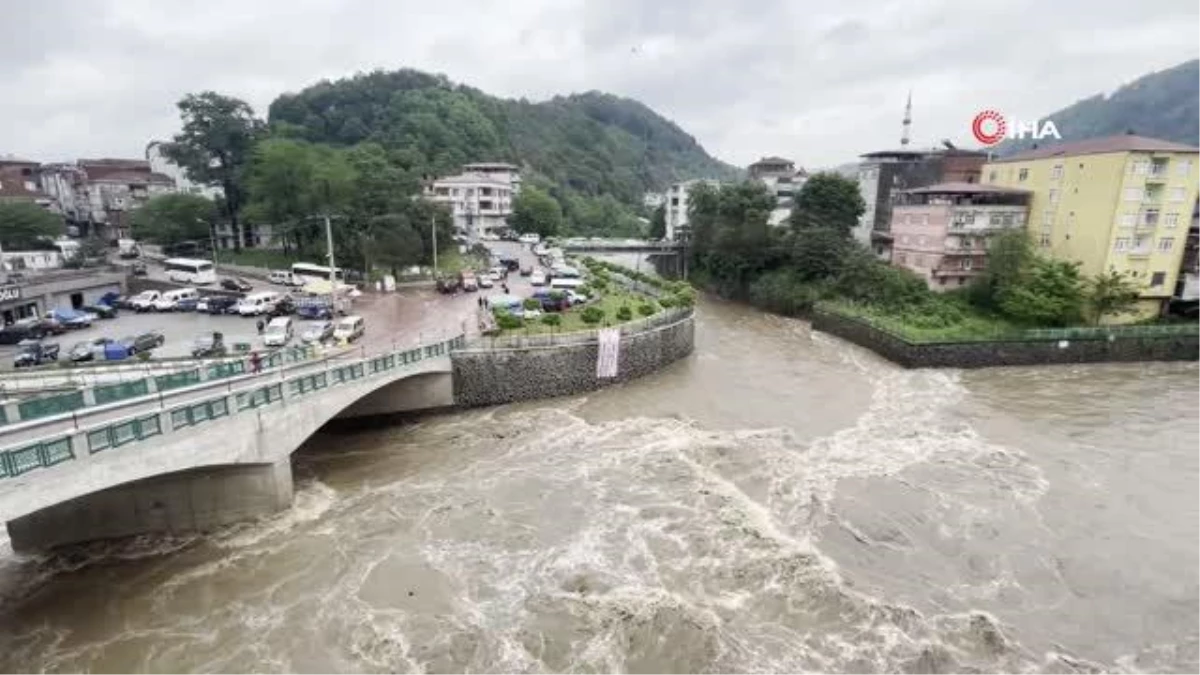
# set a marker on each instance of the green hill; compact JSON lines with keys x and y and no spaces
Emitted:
{"x":584,"y":145}
{"x":1164,"y":104}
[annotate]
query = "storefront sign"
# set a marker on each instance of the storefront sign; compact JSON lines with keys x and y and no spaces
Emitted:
{"x":10,"y":293}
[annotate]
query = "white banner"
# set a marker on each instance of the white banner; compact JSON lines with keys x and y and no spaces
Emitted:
{"x":609,"y":352}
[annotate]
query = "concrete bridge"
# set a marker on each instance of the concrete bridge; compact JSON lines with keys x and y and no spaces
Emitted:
{"x":197,"y":457}
{"x":621,"y":246}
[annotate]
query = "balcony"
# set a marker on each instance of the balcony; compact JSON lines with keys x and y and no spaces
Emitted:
{"x":1158,"y":172}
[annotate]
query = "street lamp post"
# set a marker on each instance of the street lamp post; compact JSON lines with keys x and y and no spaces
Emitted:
{"x":212,"y":240}
{"x":433,"y":232}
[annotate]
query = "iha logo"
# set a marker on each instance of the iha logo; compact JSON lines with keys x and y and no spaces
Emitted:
{"x":990,"y":127}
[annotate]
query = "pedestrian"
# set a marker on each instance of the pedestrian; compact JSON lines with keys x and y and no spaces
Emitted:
{"x":260,"y":326}
{"x":504,"y":287}
{"x":255,"y":362}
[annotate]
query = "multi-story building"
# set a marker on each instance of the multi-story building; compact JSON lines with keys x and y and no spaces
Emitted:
{"x":653,"y":200}
{"x":480,"y":200}
{"x":941,"y":232}
{"x":19,"y":182}
{"x":98,"y":195}
{"x":783,"y":180}
{"x":882,"y":173}
{"x":677,"y":207}
{"x":1118,"y":203}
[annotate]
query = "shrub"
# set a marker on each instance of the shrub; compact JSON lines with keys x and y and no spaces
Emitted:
{"x":508,"y":321}
{"x":551,"y":319}
{"x":532,"y":303}
{"x":646,"y":309}
{"x":666,"y":302}
{"x":624,"y":313}
{"x":592,"y":315}
{"x":785,"y":292}
{"x":582,"y":290}
{"x":557,"y":295}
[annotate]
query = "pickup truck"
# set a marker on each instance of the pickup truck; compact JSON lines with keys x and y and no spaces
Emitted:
{"x":35,"y":354}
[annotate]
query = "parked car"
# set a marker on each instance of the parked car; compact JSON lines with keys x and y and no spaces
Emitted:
{"x":187,"y":305}
{"x":526,"y":270}
{"x":144,"y":301}
{"x":139,"y":269}
{"x":218,"y":304}
{"x":88,"y":350}
{"x":101,"y":310}
{"x":278,"y":332}
{"x":280,"y":277}
{"x":317,"y":332}
{"x":284,"y":307}
{"x":169,"y":301}
{"x":314,"y":311}
{"x":448,"y":285}
{"x":350,"y":328}
{"x":577,"y":298}
{"x":208,"y":346}
{"x":538,"y":278}
{"x":468,"y":281}
{"x":30,"y":329}
{"x":511,"y":264}
{"x":143,"y":342}
{"x":485,"y":281}
{"x":237,"y":284}
{"x":71,"y":318}
{"x":35,"y":353}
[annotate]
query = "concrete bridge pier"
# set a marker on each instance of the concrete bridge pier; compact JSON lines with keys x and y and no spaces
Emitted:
{"x":199,"y":499}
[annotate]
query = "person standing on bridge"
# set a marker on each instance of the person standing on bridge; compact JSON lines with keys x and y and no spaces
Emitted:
{"x":255,"y":362}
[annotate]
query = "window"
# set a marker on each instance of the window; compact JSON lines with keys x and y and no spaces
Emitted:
{"x":1022,"y":175}
{"x":1141,"y":243}
{"x":1140,"y":167}
{"x":1054,"y":196}
{"x":1133,"y":194}
{"x":1166,"y":244}
{"x":1122,"y":244}
{"x":1183,"y":167}
{"x":1176,"y":194}
{"x":1171,"y":220}
{"x":1158,"y":278}
{"x":1047,"y":218}
{"x":1128,"y":219}
{"x":1044,"y":241}
{"x":1057,"y":172}
{"x":966,"y":263}
{"x":1007,"y":219}
{"x":1150,"y":217}
{"x":995,"y":219}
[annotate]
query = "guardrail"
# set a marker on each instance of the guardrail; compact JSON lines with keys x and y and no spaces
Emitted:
{"x":663,"y":318}
{"x":12,"y":412}
{"x":256,"y":391}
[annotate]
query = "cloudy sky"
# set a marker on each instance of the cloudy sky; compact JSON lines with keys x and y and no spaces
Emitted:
{"x":819,"y":82}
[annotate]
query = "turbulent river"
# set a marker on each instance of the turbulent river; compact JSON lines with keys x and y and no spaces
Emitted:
{"x":780,"y":501}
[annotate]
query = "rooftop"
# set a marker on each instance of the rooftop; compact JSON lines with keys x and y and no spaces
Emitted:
{"x":490,"y":165}
{"x":471,"y":178}
{"x":772,"y":160}
{"x":1098,"y":146}
{"x":965,"y":189}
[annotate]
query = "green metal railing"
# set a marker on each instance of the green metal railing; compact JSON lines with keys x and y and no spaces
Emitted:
{"x":48,"y":452}
{"x":50,"y":405}
{"x":36,"y":455}
{"x":177,"y":380}
{"x":108,"y":393}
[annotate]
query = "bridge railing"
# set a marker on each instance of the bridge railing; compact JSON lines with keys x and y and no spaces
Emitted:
{"x":183,"y":373}
{"x":158,"y":416}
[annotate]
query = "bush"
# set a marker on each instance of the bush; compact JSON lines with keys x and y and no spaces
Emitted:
{"x":666,"y":302}
{"x":532,"y":303}
{"x":551,"y":319}
{"x":592,"y":315}
{"x":647,"y":308}
{"x":582,"y":290}
{"x":557,"y":295}
{"x":508,"y":321}
{"x":624,"y":313}
{"x":784,"y":292}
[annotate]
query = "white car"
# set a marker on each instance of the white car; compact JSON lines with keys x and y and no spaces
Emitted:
{"x":278,"y":332}
{"x":496,"y":274}
{"x":485,"y":281}
{"x":576,"y":298}
{"x":538,"y":278}
{"x":529,"y":238}
{"x":532,"y":313}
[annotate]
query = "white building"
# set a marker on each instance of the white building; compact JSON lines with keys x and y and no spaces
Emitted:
{"x":653,"y":200}
{"x":677,"y":207}
{"x":783,"y":180}
{"x":480,"y":198}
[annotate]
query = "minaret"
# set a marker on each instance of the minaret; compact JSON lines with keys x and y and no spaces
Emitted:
{"x":907,"y":121}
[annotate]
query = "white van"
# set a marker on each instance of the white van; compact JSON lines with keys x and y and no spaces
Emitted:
{"x":144,"y":301}
{"x":168,"y":301}
{"x":529,"y":238}
{"x":257,"y":304}
{"x":566,"y":283}
{"x":349,"y":328}
{"x":278,"y":332}
{"x":280,"y":277}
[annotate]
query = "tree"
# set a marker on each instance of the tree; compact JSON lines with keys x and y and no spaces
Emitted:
{"x":658,"y":223}
{"x":1111,"y":293}
{"x":397,"y":243}
{"x":535,"y":211}
{"x":1010,"y":254}
{"x":215,"y":145}
{"x":817,"y":253}
{"x":1049,"y":293}
{"x":828,"y":200}
{"x":24,"y":224}
{"x":172,"y":218}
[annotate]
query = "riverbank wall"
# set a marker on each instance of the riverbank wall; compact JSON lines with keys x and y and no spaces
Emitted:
{"x":1098,"y":348}
{"x":506,"y":370}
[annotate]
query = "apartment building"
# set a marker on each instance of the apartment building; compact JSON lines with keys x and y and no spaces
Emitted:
{"x":677,"y":207}
{"x":783,"y":180}
{"x":882,"y":173}
{"x":1119,"y":203}
{"x":97,"y":196}
{"x":941,"y":232}
{"x":480,"y":198}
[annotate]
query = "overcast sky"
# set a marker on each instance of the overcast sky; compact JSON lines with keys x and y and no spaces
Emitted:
{"x":818,"y":82}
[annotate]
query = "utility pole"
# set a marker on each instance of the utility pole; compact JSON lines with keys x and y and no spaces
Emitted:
{"x":329,"y":244}
{"x":433,"y":231}
{"x":212,"y":240}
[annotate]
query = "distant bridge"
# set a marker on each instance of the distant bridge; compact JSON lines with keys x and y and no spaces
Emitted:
{"x":198,"y":456}
{"x":622,"y":246}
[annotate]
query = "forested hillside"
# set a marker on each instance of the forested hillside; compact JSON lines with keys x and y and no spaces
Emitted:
{"x":588,"y":144}
{"x":1164,"y":104}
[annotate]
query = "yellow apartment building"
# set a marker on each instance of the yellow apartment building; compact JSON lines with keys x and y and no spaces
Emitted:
{"x":1122,"y":203}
